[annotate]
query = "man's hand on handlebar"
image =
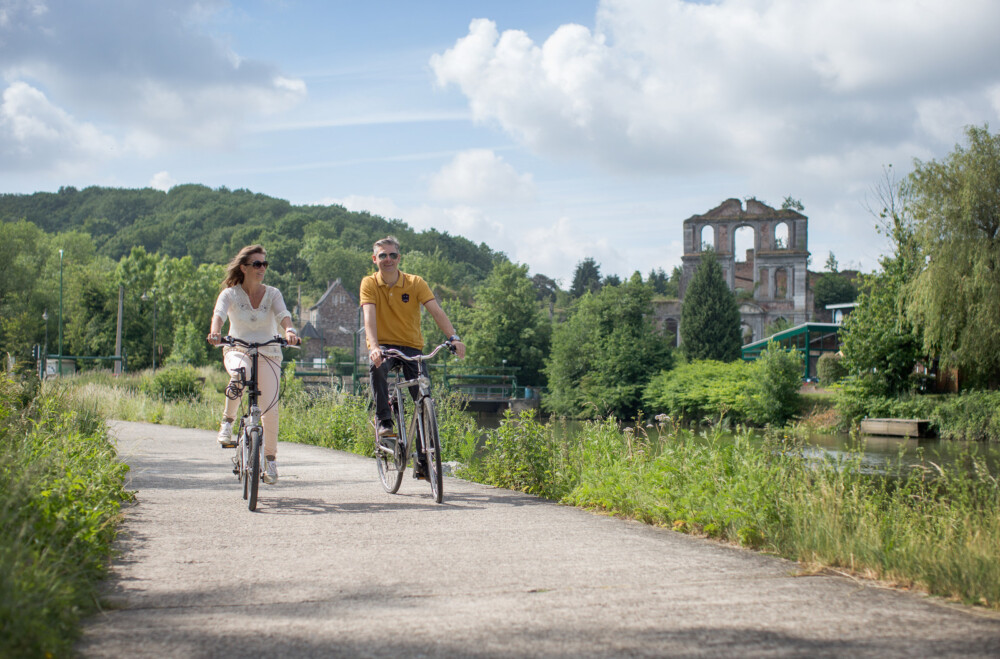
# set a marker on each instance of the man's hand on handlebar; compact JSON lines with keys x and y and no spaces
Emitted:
{"x":457,"y":348}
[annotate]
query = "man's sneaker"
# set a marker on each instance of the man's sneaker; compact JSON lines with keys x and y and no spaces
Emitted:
{"x":270,"y":470}
{"x":385,"y":429}
{"x":420,"y":469}
{"x":226,"y":435}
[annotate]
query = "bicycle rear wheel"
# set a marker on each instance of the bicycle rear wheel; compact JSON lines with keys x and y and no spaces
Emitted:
{"x":391,"y":462}
{"x":253,"y":471}
{"x":432,"y":449}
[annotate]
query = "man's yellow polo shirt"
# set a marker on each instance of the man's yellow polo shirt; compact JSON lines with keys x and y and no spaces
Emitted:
{"x":397,"y":309}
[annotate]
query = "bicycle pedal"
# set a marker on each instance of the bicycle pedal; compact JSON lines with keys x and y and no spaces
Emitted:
{"x":227,"y":445}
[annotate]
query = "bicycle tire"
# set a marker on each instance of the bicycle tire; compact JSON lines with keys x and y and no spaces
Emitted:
{"x":390,"y":467}
{"x":432,"y":449}
{"x":253,"y":472}
{"x":242,"y":451}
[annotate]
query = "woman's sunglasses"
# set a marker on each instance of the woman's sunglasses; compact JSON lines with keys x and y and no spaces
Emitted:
{"x":258,"y":264}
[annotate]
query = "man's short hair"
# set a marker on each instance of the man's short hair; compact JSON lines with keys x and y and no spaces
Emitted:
{"x":388,"y":240}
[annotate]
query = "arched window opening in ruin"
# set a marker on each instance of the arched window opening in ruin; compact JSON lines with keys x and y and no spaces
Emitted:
{"x":780,"y":284}
{"x":670,"y":330}
{"x":707,"y":237}
{"x":781,"y":236}
{"x":744,"y":240}
{"x":747,"y":332}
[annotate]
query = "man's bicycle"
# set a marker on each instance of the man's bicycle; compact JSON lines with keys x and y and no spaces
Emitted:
{"x":419,"y":438}
{"x":248,"y":461}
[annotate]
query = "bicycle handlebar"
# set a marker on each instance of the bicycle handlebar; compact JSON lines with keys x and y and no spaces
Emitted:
{"x":234,"y":341}
{"x":392,"y":352}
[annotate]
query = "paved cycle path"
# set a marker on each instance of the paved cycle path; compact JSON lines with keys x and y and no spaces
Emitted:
{"x":332,"y":566}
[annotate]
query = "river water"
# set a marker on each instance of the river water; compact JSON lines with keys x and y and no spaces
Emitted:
{"x":878,"y":451}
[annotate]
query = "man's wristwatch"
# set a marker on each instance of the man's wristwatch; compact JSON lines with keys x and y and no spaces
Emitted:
{"x":453,"y":338}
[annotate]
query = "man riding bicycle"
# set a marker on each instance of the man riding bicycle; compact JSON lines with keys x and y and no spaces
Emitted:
{"x":391,"y":300}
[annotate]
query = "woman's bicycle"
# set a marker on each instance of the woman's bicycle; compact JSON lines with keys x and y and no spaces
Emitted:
{"x":248,"y":461}
{"x":393,"y":453}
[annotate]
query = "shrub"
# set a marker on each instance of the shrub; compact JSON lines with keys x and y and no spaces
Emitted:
{"x":700,"y":390}
{"x":520,"y":455}
{"x":173,"y":383}
{"x":830,"y":368}
{"x":773,"y":391}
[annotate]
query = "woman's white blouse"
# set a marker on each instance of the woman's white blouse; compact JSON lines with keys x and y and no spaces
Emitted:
{"x":249,"y":324}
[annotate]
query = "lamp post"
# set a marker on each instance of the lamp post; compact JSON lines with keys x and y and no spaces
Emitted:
{"x":152,"y":296}
{"x":60,"y":311}
{"x":45,"y":350}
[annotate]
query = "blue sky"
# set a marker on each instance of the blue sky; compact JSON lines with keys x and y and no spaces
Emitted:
{"x":552,"y":131}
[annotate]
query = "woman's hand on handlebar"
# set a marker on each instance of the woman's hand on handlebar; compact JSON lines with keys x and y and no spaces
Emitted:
{"x":292,"y":338}
{"x":214,"y":338}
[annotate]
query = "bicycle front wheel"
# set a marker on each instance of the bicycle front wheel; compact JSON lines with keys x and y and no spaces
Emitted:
{"x":432,"y":449}
{"x":253,"y":471}
{"x":391,"y":461}
{"x":242,"y":460}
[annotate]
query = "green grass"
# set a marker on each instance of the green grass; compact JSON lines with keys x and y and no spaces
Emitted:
{"x":926,"y":527}
{"x":61,"y":489}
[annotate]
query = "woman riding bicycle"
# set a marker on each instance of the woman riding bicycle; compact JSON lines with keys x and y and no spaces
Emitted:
{"x":255,"y":312}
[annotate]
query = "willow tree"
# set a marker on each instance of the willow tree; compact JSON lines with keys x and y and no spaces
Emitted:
{"x":955,"y":298}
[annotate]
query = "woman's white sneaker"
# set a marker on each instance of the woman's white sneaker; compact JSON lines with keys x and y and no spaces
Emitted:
{"x":270,"y":470}
{"x":226,"y":435}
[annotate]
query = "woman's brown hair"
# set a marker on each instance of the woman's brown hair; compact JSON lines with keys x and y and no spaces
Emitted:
{"x":234,"y":276}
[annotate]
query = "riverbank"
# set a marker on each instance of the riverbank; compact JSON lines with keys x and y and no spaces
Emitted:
{"x":929,"y":527}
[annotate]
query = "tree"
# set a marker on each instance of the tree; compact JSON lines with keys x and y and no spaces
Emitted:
{"x":710,"y":317}
{"x":879,"y":343}
{"x":587,"y":277}
{"x":831,"y":263}
{"x":604,"y":355}
{"x":546,"y":288}
{"x":833,"y":288}
{"x":790,"y":203}
{"x":506,"y":324}
{"x":955,"y":297}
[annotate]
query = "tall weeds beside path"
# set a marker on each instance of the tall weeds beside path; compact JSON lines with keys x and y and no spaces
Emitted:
{"x":61,"y":490}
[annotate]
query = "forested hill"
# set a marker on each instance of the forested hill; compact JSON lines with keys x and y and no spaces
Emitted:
{"x":211,"y":225}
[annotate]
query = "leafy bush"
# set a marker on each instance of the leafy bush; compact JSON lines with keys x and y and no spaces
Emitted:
{"x":701,"y":390}
{"x":173,"y":383}
{"x":974,"y":415}
{"x":773,"y":391}
{"x":520,"y":454}
{"x":830,"y":368}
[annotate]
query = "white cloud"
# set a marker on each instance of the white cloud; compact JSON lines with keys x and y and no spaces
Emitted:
{"x":35,"y":134}
{"x":481,"y":176}
{"x":148,"y":69}
{"x":162,"y":181}
{"x":672,"y":86}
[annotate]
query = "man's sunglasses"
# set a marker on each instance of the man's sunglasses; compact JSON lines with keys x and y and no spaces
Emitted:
{"x":258,"y":264}
{"x":391,"y":255}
